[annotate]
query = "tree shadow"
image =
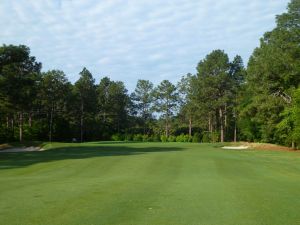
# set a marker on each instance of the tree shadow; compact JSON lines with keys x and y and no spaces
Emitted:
{"x":10,"y":160}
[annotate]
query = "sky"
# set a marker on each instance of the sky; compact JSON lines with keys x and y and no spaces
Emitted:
{"x":128,"y":40}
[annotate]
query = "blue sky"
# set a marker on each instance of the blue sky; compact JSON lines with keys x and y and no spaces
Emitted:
{"x":135,"y":39}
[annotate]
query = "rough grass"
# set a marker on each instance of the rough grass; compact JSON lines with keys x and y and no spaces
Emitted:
{"x":149,"y":183}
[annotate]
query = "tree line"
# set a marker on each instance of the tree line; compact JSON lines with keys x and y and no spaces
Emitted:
{"x":223,"y":101}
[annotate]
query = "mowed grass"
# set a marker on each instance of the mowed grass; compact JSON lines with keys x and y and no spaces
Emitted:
{"x":149,"y":183}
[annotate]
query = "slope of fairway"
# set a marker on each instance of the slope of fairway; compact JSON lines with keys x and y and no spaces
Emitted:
{"x":149,"y":183}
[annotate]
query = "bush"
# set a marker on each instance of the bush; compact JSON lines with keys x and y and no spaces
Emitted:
{"x":138,"y":137}
{"x":117,"y":137}
{"x":183,"y":138}
{"x":172,"y":138}
{"x":215,"y":137}
{"x":180,"y":138}
{"x":196,"y":138}
{"x":128,"y":137}
{"x":163,"y":138}
{"x":210,"y":137}
{"x":156,"y":138}
{"x":105,"y":136}
{"x":150,"y":138}
{"x":146,"y":138}
{"x":186,"y":138}
{"x":206,"y":137}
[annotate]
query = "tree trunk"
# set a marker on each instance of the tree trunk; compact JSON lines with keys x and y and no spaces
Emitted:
{"x":221,"y":125}
{"x":30,"y":120}
{"x":167,"y":132}
{"x":293,"y":145}
{"x":7,"y":122}
{"x":209,"y":123}
{"x":21,"y":127}
{"x":144,"y":125}
{"x":81,"y":124}
{"x":167,"y":119}
{"x":235,"y":127}
{"x":190,"y":126}
{"x":235,"y":132}
{"x":167,"y":122}
{"x":225,"y":116}
{"x":144,"y":120}
{"x":51,"y":125}
{"x":13,"y":127}
{"x":210,"y":127}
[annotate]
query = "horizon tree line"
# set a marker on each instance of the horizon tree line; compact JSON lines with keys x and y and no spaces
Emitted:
{"x":223,"y":101}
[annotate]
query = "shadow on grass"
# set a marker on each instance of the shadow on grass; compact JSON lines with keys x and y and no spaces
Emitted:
{"x":23,"y":159}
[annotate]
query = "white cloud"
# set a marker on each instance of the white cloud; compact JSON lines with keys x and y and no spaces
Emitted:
{"x":129,"y":40}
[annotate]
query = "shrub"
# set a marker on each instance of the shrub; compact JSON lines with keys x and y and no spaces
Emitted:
{"x":186,"y":138}
{"x":105,"y":136}
{"x":180,"y":138}
{"x":183,"y":138}
{"x":128,"y":137}
{"x":117,"y":137}
{"x":138,"y":137}
{"x":156,"y":138}
{"x":172,"y":138}
{"x":150,"y":138}
{"x":196,"y":138}
{"x":215,"y":137}
{"x":145,"y":138}
{"x":206,"y":137}
{"x":163,"y":138}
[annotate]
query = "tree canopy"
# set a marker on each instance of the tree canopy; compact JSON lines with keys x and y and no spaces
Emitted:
{"x":223,"y":101}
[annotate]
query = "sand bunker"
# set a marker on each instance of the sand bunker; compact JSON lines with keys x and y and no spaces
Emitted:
{"x":236,"y":147}
{"x":23,"y":149}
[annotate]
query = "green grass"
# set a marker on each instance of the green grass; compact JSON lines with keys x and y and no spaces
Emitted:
{"x":149,"y":183}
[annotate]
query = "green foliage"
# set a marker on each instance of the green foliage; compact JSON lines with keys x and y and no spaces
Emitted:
{"x":210,"y":137}
{"x":117,"y":137}
{"x":113,"y":104}
{"x":215,"y":137}
{"x":138,"y":137}
{"x":128,"y":137}
{"x":180,"y":138}
{"x":85,"y":92}
{"x":19,"y":79}
{"x":272,"y":75}
{"x":53,"y":96}
{"x":156,"y":138}
{"x":183,"y":138}
{"x":288,"y":129}
{"x":166,"y":99}
{"x":187,"y":138}
{"x":143,"y":100}
{"x":5,"y":135}
{"x":196,"y":138}
{"x":171,"y":138}
{"x":146,"y":138}
{"x":214,"y":89}
{"x":163,"y":138}
{"x":206,"y":138}
{"x":222,"y":98}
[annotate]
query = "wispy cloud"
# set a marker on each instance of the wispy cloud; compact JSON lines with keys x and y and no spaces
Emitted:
{"x":130,"y":40}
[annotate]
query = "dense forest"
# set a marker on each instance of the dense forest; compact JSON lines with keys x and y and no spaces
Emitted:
{"x":223,"y":101}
